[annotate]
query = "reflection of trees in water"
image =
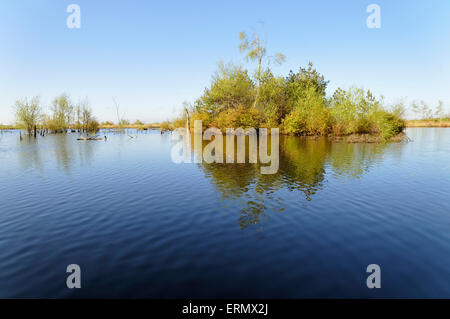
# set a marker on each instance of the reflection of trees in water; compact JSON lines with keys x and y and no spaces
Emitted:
{"x":29,"y":154}
{"x":423,"y":136}
{"x":68,"y":151}
{"x":302,"y":168}
{"x":63,"y":152}
{"x":302,"y":164}
{"x":354,"y":160}
{"x":245,"y":184}
{"x":63,"y":149}
{"x":86,"y":151}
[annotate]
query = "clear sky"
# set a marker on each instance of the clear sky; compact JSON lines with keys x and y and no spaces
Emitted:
{"x":153,"y":55}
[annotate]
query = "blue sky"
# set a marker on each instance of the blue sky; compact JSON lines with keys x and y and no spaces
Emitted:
{"x":153,"y":55}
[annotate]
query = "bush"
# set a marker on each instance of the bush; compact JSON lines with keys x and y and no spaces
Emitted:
{"x":179,"y":122}
{"x":388,"y":124}
{"x":273,"y":99}
{"x":92,"y":125}
{"x":166,"y":126}
{"x":28,"y":113}
{"x":230,"y":88}
{"x":300,"y":84}
{"x":239,"y":117}
{"x":352,"y":111}
{"x":204,"y":117}
{"x":310,"y":116}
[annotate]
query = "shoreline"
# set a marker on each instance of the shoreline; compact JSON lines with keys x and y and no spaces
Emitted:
{"x":427,"y":123}
{"x":351,"y":139}
{"x":101,"y":127}
{"x":134,"y":126}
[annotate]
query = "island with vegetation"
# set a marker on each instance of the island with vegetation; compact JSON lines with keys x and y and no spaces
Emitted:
{"x":296,"y":103}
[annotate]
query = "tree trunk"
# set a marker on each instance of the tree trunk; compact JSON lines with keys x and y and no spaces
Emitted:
{"x":188,"y":120}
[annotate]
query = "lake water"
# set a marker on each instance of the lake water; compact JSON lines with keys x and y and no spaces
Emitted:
{"x":140,"y":225}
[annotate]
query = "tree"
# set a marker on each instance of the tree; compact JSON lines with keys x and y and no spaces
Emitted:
{"x":256,"y":51}
{"x":231,"y":87}
{"x":298,"y":84}
{"x":309,"y":115}
{"x":63,"y":113}
{"x":28,"y":113}
{"x":439,"y":112}
{"x":399,"y":109}
{"x":88,"y":123}
{"x":426,"y":110}
{"x":77,"y":124}
{"x":120,"y":120}
{"x":273,"y":99}
{"x":124,"y":122}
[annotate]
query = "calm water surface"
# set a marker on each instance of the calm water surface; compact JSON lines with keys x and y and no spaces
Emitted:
{"x":142,"y":226}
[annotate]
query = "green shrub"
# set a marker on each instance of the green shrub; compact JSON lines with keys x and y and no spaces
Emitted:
{"x":166,"y":126}
{"x":92,"y":125}
{"x":273,"y":99}
{"x":231,"y":87}
{"x":179,"y":122}
{"x":239,"y":117}
{"x":352,"y":111}
{"x":310,"y":115}
{"x":388,"y":124}
{"x":204,"y":117}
